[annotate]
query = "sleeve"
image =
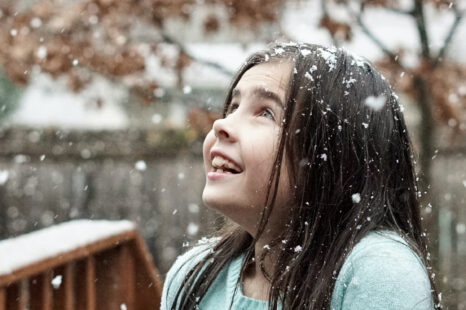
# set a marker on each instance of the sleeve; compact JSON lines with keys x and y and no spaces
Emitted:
{"x":386,"y":276}
{"x":177,"y":273}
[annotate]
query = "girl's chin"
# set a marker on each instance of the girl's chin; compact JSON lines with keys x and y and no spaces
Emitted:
{"x":217,"y":201}
{"x":212,"y":200}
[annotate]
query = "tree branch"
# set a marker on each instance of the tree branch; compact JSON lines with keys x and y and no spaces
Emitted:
{"x":372,"y":37}
{"x":458,"y":16}
{"x":418,"y":14}
{"x":323,"y":7}
{"x":399,"y":11}
{"x":208,"y":63}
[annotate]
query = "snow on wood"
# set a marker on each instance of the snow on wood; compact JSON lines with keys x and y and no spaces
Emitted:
{"x":49,"y":242}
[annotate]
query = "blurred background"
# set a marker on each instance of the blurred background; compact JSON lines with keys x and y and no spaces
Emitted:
{"x":104,"y":105}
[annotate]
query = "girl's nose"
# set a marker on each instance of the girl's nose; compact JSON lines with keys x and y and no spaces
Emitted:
{"x":223,"y":129}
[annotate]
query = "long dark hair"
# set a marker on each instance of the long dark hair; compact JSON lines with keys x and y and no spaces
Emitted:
{"x":351,"y":172}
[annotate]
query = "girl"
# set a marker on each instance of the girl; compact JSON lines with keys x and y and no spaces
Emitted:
{"x":312,"y":166}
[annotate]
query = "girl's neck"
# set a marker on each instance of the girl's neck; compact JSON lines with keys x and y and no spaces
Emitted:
{"x":255,"y":284}
{"x":261,"y":247}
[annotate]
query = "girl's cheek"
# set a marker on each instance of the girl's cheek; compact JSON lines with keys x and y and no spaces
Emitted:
{"x":207,"y":145}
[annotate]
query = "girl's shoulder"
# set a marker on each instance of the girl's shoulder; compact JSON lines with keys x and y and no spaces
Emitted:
{"x":191,"y":257}
{"x":383,"y":243}
{"x":182,"y":265}
{"x":382,"y":272}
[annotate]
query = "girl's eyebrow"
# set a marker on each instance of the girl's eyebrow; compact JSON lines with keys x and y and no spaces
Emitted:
{"x":260,"y":92}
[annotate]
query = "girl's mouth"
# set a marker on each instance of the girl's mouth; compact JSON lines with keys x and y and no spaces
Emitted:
{"x":225,"y":171}
{"x":219,"y":173}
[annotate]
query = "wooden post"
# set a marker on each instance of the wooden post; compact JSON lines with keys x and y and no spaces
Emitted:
{"x":69,"y":286}
{"x":127,"y":277}
{"x":107,"y":284}
{"x":2,"y":298}
{"x":64,"y":294}
{"x":40,"y":297}
{"x":14,"y":300}
{"x":113,"y":273}
{"x":85,"y":284}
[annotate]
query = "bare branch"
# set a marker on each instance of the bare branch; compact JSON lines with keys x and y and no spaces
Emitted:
{"x":458,"y":16}
{"x":399,"y":11}
{"x":182,"y":49}
{"x":282,"y":33}
{"x":372,"y":37}
{"x":419,"y":17}
{"x":323,"y":6}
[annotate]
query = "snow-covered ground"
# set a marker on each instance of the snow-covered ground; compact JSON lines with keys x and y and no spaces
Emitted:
{"x":50,"y":242}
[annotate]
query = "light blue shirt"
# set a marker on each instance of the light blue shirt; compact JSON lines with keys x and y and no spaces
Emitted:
{"x":381,"y":272}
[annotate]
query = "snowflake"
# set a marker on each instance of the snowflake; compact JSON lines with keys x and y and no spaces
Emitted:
{"x":356,"y":198}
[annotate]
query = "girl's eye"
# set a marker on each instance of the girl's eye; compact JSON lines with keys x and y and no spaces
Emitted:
{"x":232,"y":108}
{"x":268,"y":113}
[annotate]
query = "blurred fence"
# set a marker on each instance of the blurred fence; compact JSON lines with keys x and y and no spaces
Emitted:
{"x":156,"y":179}
{"x":55,"y":176}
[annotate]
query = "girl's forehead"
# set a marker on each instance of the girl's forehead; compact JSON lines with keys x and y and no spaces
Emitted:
{"x":271,"y":75}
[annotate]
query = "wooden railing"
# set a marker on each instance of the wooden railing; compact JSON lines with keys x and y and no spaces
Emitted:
{"x":115,"y":272}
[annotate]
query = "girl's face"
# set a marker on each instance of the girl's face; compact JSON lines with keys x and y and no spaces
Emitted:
{"x":240,"y":150}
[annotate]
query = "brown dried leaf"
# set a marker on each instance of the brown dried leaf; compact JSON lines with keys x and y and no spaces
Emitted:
{"x":338,"y":30}
{"x":201,"y":120}
{"x":211,"y":24}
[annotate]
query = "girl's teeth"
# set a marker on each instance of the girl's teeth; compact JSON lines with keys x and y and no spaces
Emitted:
{"x":219,"y":170}
{"x":220,"y":161}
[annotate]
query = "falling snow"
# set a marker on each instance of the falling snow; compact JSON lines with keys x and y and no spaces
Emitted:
{"x":56,"y":282}
{"x":21,"y":159}
{"x":460,"y":228}
{"x":187,"y":89}
{"x":308,"y":76}
{"x":35,"y":22}
{"x":159,"y":92}
{"x":140,"y":165}
{"x":156,"y":118}
{"x":192,"y":229}
{"x":193,"y":208}
{"x":360,"y":62}
{"x":305,"y":52}
{"x":329,"y":56}
{"x":41,"y":52}
{"x":375,"y":103}
{"x":356,"y":198}
{"x":279,"y":50}
{"x":205,"y":240}
{"x":349,"y":82}
{"x":3,"y":176}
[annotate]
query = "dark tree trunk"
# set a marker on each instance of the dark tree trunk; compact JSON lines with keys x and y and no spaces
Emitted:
{"x":426,"y":152}
{"x":3,"y":215}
